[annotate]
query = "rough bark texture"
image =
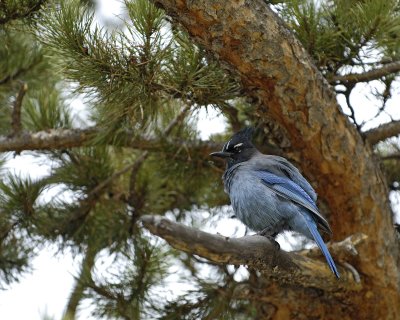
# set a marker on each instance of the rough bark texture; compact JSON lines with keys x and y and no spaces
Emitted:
{"x":56,"y":139}
{"x":370,"y":75}
{"x":258,"y":252}
{"x":46,"y":140}
{"x":383,"y":132}
{"x":281,"y":79}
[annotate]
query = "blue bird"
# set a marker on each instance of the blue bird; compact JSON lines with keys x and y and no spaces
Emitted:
{"x":269,"y":194}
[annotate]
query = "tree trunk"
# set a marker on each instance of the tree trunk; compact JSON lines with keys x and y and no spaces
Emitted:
{"x":277,"y":73}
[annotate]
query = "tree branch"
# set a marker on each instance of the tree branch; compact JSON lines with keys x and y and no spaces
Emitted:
{"x":47,"y":140}
{"x":55,"y":139}
{"x":16,"y":113}
{"x":391,"y":156}
{"x":133,"y":198}
{"x":382,"y":132}
{"x":374,"y":74}
{"x":253,"y":251}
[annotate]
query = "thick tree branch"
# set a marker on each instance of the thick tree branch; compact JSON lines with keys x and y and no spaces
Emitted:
{"x":383,"y":132}
{"x":254,"y":251}
{"x":374,"y":74}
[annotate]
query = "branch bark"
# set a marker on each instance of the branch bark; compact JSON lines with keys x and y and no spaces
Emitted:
{"x":254,"y":251}
{"x":16,"y":114}
{"x":383,"y":132}
{"x":279,"y":76}
{"x":56,"y":139}
{"x":47,"y":140}
{"x":81,"y":283}
{"x":374,"y":74}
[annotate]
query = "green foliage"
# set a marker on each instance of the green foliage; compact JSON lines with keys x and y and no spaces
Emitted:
{"x":46,"y":110}
{"x":83,"y":216}
{"x":131,"y":75}
{"x":132,"y":291}
{"x":339,"y":33}
{"x":17,"y":9}
{"x":195,"y":77}
{"x":135,"y":82}
{"x":83,"y":169}
{"x":22,"y":60}
{"x":18,"y":197}
{"x":15,"y":256}
{"x":18,"y":204}
{"x":119,"y":70}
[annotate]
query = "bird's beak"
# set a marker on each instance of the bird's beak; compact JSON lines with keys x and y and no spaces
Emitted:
{"x":221,"y":154}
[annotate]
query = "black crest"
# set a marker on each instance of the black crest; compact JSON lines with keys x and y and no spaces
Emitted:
{"x":241,"y":138}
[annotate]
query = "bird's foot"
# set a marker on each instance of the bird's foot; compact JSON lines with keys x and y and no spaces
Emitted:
{"x":270,"y":236}
{"x":274,"y":242}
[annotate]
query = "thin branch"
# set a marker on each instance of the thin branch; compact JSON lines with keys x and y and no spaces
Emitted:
{"x":347,"y":94}
{"x":253,"y":251}
{"x":55,"y":139}
{"x":342,"y":251}
{"x":47,"y":140}
{"x":16,"y":114}
{"x":10,"y":77}
{"x":137,"y":163}
{"x":133,"y":199}
{"x":80,"y":284}
{"x":233,"y":115}
{"x":383,"y":132}
{"x":374,"y":74}
{"x":95,"y":191}
{"x":392,"y":156}
{"x":176,"y":120}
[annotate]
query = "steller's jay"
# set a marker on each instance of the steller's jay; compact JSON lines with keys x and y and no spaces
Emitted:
{"x":269,"y":195}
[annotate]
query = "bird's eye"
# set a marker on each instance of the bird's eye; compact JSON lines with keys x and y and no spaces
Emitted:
{"x":237,"y":147}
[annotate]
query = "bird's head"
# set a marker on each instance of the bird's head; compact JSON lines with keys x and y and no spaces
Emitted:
{"x":238,"y":149}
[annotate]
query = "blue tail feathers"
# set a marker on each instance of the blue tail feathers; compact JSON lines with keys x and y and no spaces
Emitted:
{"x":317,"y":237}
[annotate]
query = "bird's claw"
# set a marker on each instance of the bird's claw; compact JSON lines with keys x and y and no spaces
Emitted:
{"x":265,"y":233}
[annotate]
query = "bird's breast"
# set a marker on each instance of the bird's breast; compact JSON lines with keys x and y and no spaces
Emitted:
{"x":254,"y":204}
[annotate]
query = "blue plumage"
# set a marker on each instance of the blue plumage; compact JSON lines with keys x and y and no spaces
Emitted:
{"x":286,"y":186}
{"x":317,"y":237}
{"x":269,"y":195}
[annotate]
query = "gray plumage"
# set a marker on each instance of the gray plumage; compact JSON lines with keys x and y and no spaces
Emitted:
{"x":269,"y":194}
{"x":258,"y":206}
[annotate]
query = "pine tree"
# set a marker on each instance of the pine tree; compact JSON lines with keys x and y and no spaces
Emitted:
{"x":137,"y":157}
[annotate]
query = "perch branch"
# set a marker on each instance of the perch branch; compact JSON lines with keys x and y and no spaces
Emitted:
{"x":254,"y":251}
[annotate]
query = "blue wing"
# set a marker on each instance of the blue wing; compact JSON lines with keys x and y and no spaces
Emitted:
{"x":317,"y":237}
{"x":291,"y":191}
{"x":288,"y":170}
